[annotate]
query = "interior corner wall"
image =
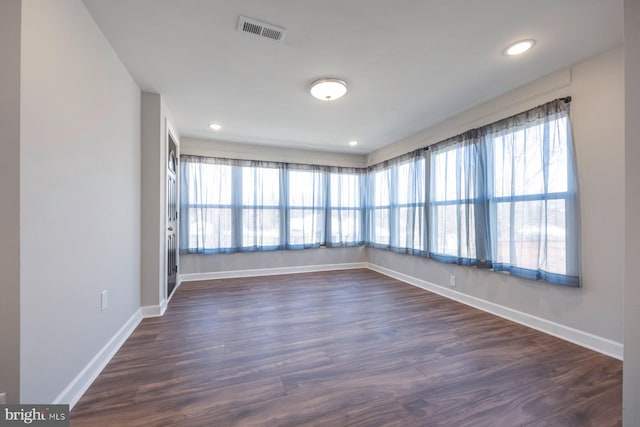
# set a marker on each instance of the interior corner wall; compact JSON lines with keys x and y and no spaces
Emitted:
{"x":79,"y":197}
{"x":597,"y":114}
{"x":10,"y":26}
{"x":631,"y":371}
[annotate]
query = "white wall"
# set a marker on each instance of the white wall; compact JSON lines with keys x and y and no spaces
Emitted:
{"x":190,"y":264}
{"x":233,"y":150}
{"x":631,"y":372}
{"x":597,"y":113}
{"x":151,"y":198}
{"x":10,"y":198}
{"x":80,"y":195}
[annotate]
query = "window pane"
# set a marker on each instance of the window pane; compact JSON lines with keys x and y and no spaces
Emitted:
{"x":210,"y":228}
{"x":346,"y":204}
{"x":381,"y":226}
{"x":305,"y":226}
{"x":453,"y":232}
{"x":528,"y":230}
{"x":558,"y":156}
{"x":260,"y":227}
{"x":208,"y":184}
{"x":410,"y":231}
{"x":345,"y":226}
{"x":305,"y":188}
{"x":345,"y":190}
{"x":452,"y":174}
{"x":518,"y":160}
{"x":381,"y":188}
{"x":410,"y":186}
{"x":260,"y":186}
{"x":556,"y":237}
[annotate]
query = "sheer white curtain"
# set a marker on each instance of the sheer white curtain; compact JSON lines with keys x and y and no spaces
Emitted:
{"x":396,"y":195}
{"x":259,"y":188}
{"x":533,"y":195}
{"x":206,"y":206}
{"x":230,"y":205}
{"x":457,"y":203}
{"x":240,"y":205}
{"x":345,"y":221}
{"x":306,"y":208}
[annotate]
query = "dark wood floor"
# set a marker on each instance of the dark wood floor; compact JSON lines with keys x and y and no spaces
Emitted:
{"x":344,"y":348}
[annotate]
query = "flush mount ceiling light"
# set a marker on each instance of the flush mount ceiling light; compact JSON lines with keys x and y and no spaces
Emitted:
{"x":215,"y":126}
{"x":328,"y":89}
{"x":518,"y":48}
{"x":353,"y":143}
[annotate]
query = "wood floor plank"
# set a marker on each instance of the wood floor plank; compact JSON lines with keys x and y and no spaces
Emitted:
{"x":344,"y":348}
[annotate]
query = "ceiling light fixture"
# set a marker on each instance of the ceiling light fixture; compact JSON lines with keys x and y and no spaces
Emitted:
{"x":328,"y":89}
{"x":215,"y":126}
{"x":520,"y":47}
{"x":353,"y":143}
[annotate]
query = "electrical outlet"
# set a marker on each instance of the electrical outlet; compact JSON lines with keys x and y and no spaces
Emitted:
{"x":452,"y":280}
{"x":3,"y":398}
{"x":104,"y":300}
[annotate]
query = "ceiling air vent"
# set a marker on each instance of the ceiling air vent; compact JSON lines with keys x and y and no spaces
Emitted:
{"x":261,"y":29}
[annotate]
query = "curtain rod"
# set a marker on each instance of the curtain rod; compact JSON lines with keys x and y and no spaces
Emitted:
{"x":566,"y":100}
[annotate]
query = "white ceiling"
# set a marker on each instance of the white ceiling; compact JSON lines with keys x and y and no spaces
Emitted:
{"x":408,"y":63}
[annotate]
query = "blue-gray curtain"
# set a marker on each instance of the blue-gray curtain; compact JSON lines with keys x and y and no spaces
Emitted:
{"x":505,"y":197}
{"x":241,"y":205}
{"x":501,"y":197}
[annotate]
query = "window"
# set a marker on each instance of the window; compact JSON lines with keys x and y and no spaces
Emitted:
{"x":408,"y":202}
{"x":306,"y":208}
{"x":452,"y":227}
{"x":533,"y":200}
{"x":260,"y":207}
{"x":505,"y":197}
{"x":207,"y":215}
{"x":229,"y":206}
{"x":397,"y":208}
{"x":345,"y":207}
{"x":379,"y":225}
{"x":239,"y":205}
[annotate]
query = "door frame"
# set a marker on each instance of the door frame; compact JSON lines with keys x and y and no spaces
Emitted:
{"x":170,"y":132}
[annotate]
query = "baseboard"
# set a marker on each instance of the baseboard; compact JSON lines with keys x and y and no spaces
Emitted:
{"x":584,"y":339}
{"x":270,"y":271}
{"x":76,"y":388}
{"x":153,"y":310}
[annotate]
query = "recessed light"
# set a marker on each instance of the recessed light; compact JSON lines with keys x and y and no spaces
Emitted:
{"x":519,"y":48}
{"x":353,"y":143}
{"x":328,"y":89}
{"x":215,"y":126}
